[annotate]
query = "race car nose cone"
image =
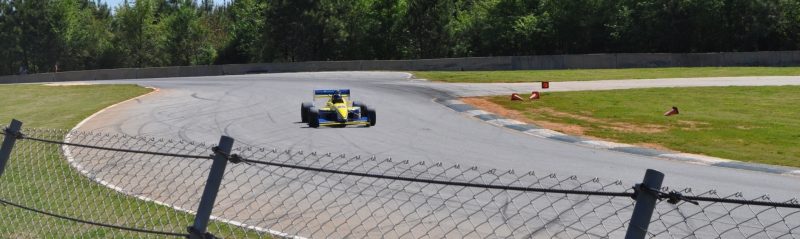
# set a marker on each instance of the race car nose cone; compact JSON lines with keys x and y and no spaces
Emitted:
{"x":342,"y":114}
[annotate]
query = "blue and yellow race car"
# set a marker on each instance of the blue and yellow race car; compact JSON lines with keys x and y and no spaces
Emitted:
{"x":338,"y":111}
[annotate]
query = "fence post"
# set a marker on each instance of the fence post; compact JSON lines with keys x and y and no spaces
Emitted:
{"x":645,"y":204}
{"x":221,"y":153}
{"x":8,"y":143}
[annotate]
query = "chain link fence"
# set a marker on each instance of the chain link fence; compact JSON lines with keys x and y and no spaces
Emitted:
{"x":83,"y":184}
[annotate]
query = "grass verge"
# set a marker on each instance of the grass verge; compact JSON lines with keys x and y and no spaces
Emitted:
{"x":752,"y":124}
{"x":44,"y":179}
{"x":601,"y":74}
{"x":59,"y":107}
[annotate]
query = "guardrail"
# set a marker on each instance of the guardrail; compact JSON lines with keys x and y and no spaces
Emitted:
{"x":60,"y":183}
{"x":540,"y":62}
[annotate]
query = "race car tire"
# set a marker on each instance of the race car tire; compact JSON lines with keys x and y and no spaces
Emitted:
{"x":313,"y":118}
{"x":304,"y":108}
{"x":361,"y":105}
{"x":371,"y":116}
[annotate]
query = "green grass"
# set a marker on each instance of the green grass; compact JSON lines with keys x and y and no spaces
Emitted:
{"x":601,"y":74}
{"x":59,"y":107}
{"x":753,"y":124}
{"x":40,"y":177}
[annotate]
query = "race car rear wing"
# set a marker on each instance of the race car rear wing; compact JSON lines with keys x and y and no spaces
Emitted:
{"x":329,"y":93}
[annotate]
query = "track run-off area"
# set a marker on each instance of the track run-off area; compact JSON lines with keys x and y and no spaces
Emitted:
{"x":263,"y":110}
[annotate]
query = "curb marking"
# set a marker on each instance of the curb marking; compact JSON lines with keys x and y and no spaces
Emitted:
{"x":543,"y":133}
{"x":640,"y":151}
{"x":522,"y":127}
{"x":476,"y":112}
{"x":460,"y":107}
{"x":603,"y":144}
{"x":707,"y":160}
{"x":488,"y":117}
{"x":504,"y":122}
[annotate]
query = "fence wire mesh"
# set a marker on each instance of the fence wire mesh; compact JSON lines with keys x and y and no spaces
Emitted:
{"x":158,"y":189}
{"x":725,"y":220}
{"x":61,"y":181}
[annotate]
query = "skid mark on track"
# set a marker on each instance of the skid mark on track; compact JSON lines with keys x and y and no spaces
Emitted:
{"x":194,"y":95}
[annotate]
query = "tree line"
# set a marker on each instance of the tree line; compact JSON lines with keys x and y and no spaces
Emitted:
{"x":62,"y":35}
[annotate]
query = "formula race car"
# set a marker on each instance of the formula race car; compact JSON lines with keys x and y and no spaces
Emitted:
{"x":338,"y":111}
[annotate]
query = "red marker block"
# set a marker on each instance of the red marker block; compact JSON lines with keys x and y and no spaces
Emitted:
{"x":545,"y":84}
{"x":515,"y":96}
{"x":673,"y":111}
{"x":534,"y":95}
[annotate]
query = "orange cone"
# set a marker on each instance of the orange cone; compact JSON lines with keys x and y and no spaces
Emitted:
{"x":545,"y":84}
{"x":534,"y":95}
{"x":515,"y":96}
{"x":673,"y":111}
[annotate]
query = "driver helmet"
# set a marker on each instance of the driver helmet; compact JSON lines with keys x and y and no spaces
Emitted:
{"x":337,"y":96}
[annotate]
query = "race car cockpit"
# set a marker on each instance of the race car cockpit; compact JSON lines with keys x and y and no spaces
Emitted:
{"x":337,"y":98}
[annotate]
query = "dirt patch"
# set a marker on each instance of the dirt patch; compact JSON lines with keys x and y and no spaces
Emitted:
{"x":653,"y":146}
{"x":692,"y":125}
{"x":745,"y":127}
{"x":646,"y":128}
{"x":489,"y":106}
{"x":486,"y":105}
{"x":564,"y":128}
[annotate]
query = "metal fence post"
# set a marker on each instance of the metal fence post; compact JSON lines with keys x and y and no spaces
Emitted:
{"x":198,"y":230}
{"x":645,"y":204}
{"x":8,"y":143}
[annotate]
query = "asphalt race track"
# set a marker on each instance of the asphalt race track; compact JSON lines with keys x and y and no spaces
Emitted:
{"x":263,"y":110}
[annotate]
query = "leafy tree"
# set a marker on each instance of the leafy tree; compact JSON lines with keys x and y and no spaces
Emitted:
{"x":787,"y":28}
{"x":186,"y":42}
{"x":384,"y":34}
{"x":10,"y":49}
{"x":428,"y":24}
{"x":35,"y":23}
{"x":138,"y":35}
{"x":83,"y":34}
{"x":291,"y":31}
{"x":752,"y":24}
{"x":509,"y":27}
{"x":247,"y":28}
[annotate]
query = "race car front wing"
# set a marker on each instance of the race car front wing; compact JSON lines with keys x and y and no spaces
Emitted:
{"x":359,"y":121}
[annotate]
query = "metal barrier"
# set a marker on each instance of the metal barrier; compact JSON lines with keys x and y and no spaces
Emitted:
{"x":81,"y":184}
{"x":538,"y":62}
